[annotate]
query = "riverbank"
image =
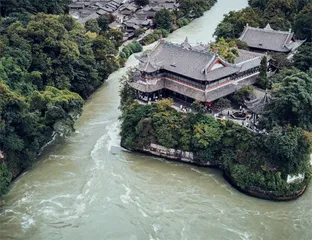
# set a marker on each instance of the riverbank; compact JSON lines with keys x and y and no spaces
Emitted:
{"x":244,"y":156}
{"x":267,"y":195}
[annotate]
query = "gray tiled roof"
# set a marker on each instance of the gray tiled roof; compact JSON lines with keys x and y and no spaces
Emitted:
{"x":248,"y":60}
{"x":91,"y":16}
{"x":187,"y":62}
{"x":257,"y":106}
{"x":245,"y":55}
{"x":267,"y":39}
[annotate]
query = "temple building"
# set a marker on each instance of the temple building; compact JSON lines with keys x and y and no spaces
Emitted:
{"x":266,"y":40}
{"x":181,"y":71}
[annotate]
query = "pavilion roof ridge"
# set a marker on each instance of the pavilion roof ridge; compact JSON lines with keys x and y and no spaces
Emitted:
{"x":187,"y":49}
{"x":270,"y":30}
{"x":248,"y":60}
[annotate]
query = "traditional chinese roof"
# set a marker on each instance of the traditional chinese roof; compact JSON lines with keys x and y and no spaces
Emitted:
{"x":257,"y":106}
{"x":186,"y":44}
{"x":269,"y":39}
{"x":248,"y":60}
{"x":185,"y":61}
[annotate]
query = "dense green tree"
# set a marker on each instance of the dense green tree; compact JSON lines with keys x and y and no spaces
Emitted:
{"x":263,"y":81}
{"x":115,"y":36}
{"x":45,"y":62}
{"x":303,"y":59}
{"x":303,"y":23}
{"x":279,"y":13}
{"x":261,"y":4}
{"x":92,"y":26}
{"x":5,"y":178}
{"x":226,"y":49}
{"x":34,"y":6}
{"x":163,"y":19}
{"x":292,"y":101}
{"x":194,"y":8}
{"x":234,"y":22}
{"x":242,"y":94}
{"x":103,"y":22}
{"x":286,"y":148}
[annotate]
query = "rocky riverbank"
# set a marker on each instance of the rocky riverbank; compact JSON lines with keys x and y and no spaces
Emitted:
{"x":190,"y":158}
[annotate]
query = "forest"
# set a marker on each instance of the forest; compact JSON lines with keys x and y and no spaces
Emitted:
{"x":49,"y":65}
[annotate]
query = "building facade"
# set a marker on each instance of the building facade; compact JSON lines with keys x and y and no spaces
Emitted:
{"x":191,"y":74}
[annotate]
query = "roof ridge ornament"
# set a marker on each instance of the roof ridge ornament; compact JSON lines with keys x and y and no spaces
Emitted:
{"x":186,"y":44}
{"x":268,"y":27}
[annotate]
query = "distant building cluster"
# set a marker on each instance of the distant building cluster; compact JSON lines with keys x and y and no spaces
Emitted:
{"x":128,"y":16}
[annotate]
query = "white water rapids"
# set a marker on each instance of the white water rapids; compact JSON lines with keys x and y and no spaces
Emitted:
{"x":79,"y":190}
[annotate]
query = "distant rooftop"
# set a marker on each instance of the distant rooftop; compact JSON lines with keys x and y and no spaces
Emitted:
{"x":269,"y":39}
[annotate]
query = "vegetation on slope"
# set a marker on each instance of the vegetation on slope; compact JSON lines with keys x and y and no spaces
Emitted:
{"x":254,"y":161}
{"x":48,"y":65}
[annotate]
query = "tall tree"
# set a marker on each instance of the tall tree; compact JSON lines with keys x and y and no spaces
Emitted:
{"x":103,"y":22}
{"x":292,"y":102}
{"x":92,"y":26}
{"x":163,"y":19}
{"x":234,"y":22}
{"x":303,"y":23}
{"x":303,"y":58}
{"x":34,"y":6}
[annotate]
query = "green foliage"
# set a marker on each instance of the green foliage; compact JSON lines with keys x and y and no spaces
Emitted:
{"x":280,"y":60}
{"x":227,"y":50}
{"x":92,"y":26}
{"x":194,"y":8}
{"x":103,"y":22}
{"x":254,"y":162}
{"x":287,"y":148}
{"x":234,"y":22}
{"x":198,"y":107}
{"x":5,"y":178}
{"x":240,"y":96}
{"x":47,"y":65}
{"x":303,"y":23}
{"x":163,"y":19}
{"x":127,"y":93}
{"x":303,"y":59}
{"x":128,"y":50}
{"x":154,"y":36}
{"x":115,"y":36}
{"x":51,"y":7}
{"x":263,"y":81}
{"x":138,"y":32}
{"x":183,"y":22}
{"x":292,"y":101}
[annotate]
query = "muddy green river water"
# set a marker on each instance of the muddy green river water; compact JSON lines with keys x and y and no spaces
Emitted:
{"x":79,"y":189}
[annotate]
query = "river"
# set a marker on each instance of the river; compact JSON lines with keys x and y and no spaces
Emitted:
{"x":80,"y":190}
